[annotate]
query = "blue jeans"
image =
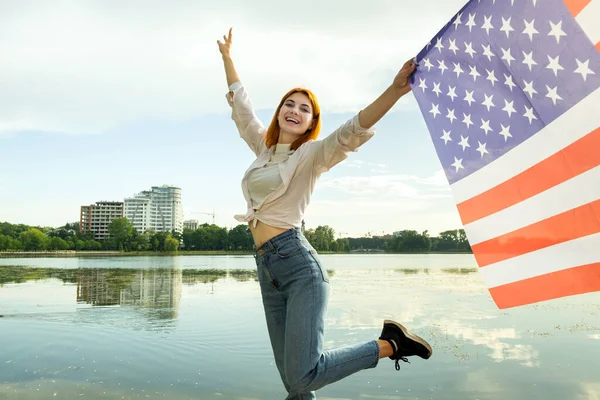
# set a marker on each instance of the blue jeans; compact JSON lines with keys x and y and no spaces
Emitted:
{"x":295,"y":290}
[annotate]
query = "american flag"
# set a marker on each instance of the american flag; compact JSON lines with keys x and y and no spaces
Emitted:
{"x":509,"y":90}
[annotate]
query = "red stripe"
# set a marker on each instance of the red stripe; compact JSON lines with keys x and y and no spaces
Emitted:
{"x":575,"y":6}
{"x":571,"y":161}
{"x":598,"y":46}
{"x":569,"y":282}
{"x":578,"y":222}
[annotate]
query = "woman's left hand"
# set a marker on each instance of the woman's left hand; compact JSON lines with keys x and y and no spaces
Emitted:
{"x":401,"y":81}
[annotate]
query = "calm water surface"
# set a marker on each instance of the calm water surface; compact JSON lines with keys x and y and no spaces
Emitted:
{"x":192,"y":327}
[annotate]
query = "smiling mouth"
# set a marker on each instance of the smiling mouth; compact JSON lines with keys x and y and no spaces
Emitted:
{"x":295,"y":121}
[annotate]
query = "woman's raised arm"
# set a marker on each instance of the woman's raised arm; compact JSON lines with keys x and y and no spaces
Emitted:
{"x":225,"y":49}
{"x":378,"y":108}
{"x":249,"y":126}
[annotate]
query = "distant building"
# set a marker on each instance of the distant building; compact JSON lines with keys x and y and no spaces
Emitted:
{"x":192,"y":224}
{"x":158,"y":209}
{"x":97,"y":217}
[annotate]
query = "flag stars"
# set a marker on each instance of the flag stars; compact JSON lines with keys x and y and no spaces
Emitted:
{"x":554,"y":65}
{"x":427,"y":64}
{"x":474,"y":72}
{"x":439,"y":45}
{"x":529,"y":88}
{"x":435,"y":110}
{"x":452,"y":46}
{"x":471,"y":22}
{"x":553,"y":94}
{"x":508,"y":81}
{"x":487,"y":24}
{"x":446,"y":136}
{"x":487,"y":51}
{"x":509,"y":107}
{"x":529,"y":114}
{"x":556,"y":31}
{"x":506,"y":28}
{"x":481,"y":149}
{"x":422,"y":84}
{"x":506,"y":56}
{"x":467,"y":120}
{"x":451,"y":115}
{"x":436,"y":89}
{"x":458,"y":69}
{"x":452,"y":92}
{"x":488,"y":101}
{"x":464,"y":142}
{"x":457,"y":164}
{"x":583,"y":68}
{"x":528,"y":59}
{"x":442,"y":66}
{"x":485,"y":125}
{"x":530,"y":29}
{"x":469,"y":97}
{"x":505,"y":132}
{"x":491,"y":76}
{"x":457,"y":20}
{"x":469,"y":49}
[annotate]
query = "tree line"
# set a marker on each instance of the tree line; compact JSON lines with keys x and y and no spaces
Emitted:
{"x":210,"y":237}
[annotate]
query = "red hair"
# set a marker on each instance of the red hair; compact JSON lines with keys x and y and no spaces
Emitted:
{"x":272,"y":134}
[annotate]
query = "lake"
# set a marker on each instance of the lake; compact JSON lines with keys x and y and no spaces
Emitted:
{"x":192,"y":327}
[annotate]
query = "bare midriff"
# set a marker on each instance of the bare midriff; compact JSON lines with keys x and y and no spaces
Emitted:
{"x":263,"y":232}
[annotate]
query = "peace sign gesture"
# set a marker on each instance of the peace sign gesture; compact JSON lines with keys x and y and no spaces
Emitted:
{"x":225,"y":46}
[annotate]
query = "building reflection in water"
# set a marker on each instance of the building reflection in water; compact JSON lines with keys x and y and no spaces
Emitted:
{"x":146,"y":288}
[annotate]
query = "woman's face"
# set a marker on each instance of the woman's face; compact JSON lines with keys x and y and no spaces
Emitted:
{"x":296,"y":114}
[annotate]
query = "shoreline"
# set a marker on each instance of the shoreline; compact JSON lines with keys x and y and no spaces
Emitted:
{"x":73,"y":253}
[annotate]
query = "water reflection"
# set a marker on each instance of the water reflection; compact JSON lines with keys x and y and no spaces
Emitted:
{"x":174,"y":333}
{"x":156,"y":288}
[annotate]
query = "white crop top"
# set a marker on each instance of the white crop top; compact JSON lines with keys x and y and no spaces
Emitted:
{"x":263,"y":181}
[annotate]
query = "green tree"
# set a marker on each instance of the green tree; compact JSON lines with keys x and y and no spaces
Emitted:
{"x":120,"y":230}
{"x":321,"y":238}
{"x":56,"y":243}
{"x":341,"y":245}
{"x":240,"y":238}
{"x":411,"y":241}
{"x":33,"y":240}
{"x":171,"y":244}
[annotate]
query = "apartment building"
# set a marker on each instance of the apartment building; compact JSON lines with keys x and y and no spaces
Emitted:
{"x":159,"y":209}
{"x":192,"y":224}
{"x":97,"y":217}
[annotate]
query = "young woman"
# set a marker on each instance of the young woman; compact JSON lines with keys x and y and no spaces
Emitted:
{"x":277,"y":188}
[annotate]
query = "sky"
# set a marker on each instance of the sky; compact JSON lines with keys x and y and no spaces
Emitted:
{"x":102,"y":100}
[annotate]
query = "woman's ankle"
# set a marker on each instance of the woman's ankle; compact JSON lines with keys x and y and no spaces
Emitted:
{"x":385,"y":348}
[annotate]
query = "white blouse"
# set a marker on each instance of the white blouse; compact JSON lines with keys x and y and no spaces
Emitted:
{"x":281,"y":201}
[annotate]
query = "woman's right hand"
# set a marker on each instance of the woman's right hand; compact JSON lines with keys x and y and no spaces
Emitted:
{"x":225,"y":46}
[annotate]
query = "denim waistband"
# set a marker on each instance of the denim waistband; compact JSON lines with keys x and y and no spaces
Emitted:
{"x":274,"y":242}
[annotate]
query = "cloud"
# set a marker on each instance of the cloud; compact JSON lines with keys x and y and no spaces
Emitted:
{"x":381,"y":186}
{"x":386,"y":185}
{"x":86,"y":67}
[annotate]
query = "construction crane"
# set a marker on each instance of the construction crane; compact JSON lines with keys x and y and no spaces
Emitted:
{"x":205,"y":213}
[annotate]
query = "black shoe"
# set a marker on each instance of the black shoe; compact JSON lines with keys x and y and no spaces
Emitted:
{"x":404,"y":343}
